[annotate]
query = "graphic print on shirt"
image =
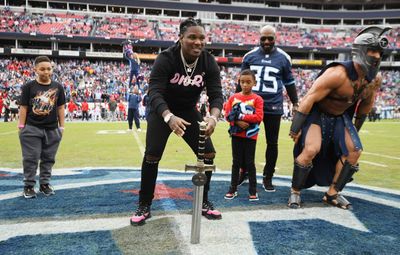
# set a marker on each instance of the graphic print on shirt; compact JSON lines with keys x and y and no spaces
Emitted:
{"x":43,"y":103}
{"x":246,"y":107}
{"x":266,"y":78}
{"x":184,"y":80}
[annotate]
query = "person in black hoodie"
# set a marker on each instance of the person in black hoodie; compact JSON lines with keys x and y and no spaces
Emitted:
{"x":179,"y":75}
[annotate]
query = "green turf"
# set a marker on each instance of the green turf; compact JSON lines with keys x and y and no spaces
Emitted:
{"x":83,"y":147}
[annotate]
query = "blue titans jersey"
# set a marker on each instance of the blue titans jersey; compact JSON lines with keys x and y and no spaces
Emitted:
{"x":273,"y":71}
{"x":133,"y":65}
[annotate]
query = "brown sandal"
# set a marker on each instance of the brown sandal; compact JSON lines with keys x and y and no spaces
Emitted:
{"x":337,"y":200}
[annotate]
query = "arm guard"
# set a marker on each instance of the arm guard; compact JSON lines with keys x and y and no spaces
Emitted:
{"x":359,"y":121}
{"x":298,"y":120}
{"x":292,"y":93}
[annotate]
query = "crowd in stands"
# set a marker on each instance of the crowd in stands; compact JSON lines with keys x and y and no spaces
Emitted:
{"x":167,"y":29}
{"x":55,"y":24}
{"x":97,"y":82}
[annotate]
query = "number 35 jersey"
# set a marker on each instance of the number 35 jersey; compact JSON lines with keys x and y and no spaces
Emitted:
{"x":273,"y":71}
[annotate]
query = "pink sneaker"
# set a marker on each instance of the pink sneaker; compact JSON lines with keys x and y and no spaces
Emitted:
{"x":209,"y":212}
{"x":141,"y":215}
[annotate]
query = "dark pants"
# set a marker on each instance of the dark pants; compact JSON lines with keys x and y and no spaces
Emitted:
{"x":134,"y":72}
{"x":271,"y":124}
{"x":133,"y":114}
{"x":243,"y":154}
{"x":6,"y":114}
{"x":38,"y":144}
{"x":156,"y":139}
{"x":85,"y":115}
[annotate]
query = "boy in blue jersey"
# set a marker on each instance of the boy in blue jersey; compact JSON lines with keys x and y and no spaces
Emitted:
{"x":272,"y":67}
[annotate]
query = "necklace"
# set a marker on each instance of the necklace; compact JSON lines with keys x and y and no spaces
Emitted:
{"x":189,"y":67}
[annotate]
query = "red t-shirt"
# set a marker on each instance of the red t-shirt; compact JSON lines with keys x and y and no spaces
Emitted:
{"x":85,"y":106}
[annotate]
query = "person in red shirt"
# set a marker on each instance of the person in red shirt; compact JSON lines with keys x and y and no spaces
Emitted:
{"x":85,"y":110}
{"x":244,"y":111}
{"x":71,"y":108}
{"x":121,"y":110}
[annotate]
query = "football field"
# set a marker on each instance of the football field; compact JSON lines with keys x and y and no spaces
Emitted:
{"x":102,"y":144}
{"x":97,"y":181}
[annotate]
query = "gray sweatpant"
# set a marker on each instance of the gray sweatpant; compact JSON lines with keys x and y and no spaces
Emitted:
{"x":38,"y":144}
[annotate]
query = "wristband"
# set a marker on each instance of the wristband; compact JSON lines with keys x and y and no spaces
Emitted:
{"x":168,"y":117}
{"x":297,"y":123}
{"x":62,"y":128}
{"x":21,"y":126}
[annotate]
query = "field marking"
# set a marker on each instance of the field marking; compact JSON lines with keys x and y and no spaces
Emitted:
{"x":282,"y":183}
{"x":111,"y":132}
{"x":139,"y":143}
{"x":380,"y":155}
{"x":241,"y":230}
{"x":372,"y":163}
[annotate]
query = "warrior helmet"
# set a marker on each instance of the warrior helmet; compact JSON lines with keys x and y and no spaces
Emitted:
{"x":370,"y":38}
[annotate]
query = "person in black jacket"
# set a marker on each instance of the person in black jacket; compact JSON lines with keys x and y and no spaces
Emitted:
{"x":179,"y":75}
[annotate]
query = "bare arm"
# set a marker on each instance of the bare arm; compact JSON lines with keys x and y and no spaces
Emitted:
{"x":61,"y":116}
{"x":330,"y":80}
{"x":23,"y":110}
{"x":212,"y":120}
{"x":366,"y":104}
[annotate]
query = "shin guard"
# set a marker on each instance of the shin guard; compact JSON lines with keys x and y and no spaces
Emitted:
{"x":345,"y":175}
{"x":300,"y":174}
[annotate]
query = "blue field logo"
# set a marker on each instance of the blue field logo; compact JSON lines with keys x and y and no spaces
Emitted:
{"x":90,"y":215}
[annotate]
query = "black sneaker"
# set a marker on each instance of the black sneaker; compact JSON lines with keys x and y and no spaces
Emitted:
{"x":243,"y":177}
{"x":47,"y":189}
{"x":141,"y":215}
{"x":210,"y":212}
{"x":267,"y":185}
{"x":29,"y":192}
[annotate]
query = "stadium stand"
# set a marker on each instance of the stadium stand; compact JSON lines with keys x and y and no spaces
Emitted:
{"x":85,"y":38}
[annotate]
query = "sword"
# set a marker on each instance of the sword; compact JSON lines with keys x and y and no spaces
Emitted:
{"x":198,"y":179}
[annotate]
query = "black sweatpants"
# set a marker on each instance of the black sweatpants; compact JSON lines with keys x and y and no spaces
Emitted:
{"x":156,"y":139}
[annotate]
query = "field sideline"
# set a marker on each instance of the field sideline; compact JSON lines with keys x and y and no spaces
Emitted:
{"x":107,"y":144}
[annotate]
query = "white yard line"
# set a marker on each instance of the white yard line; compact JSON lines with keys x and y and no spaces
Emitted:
{"x":380,"y":155}
{"x":139,"y":143}
{"x":372,"y":163}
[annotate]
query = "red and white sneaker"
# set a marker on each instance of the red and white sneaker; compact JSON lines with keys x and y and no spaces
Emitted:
{"x":141,"y":215}
{"x":232,"y":193}
{"x":253,"y":197}
{"x":210,"y":212}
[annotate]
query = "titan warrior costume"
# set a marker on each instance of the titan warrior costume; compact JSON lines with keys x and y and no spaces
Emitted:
{"x":322,"y":169}
{"x":333,"y":131}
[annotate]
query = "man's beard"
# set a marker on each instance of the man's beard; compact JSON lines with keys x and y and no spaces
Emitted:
{"x":267,"y":48}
